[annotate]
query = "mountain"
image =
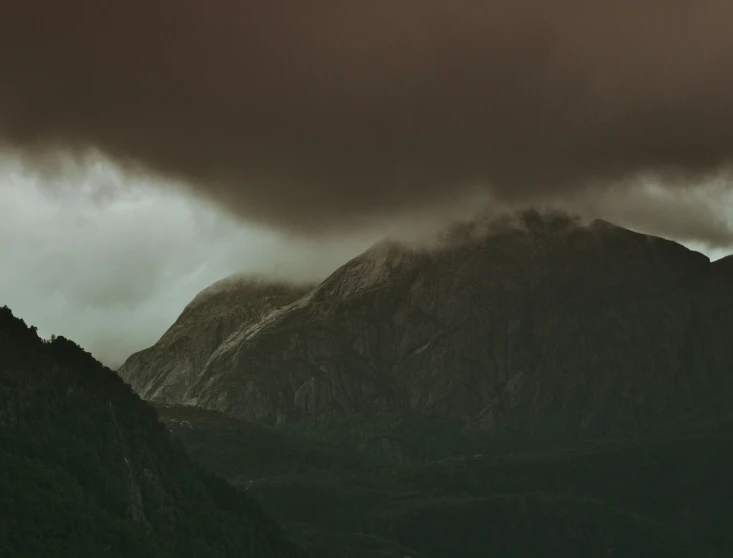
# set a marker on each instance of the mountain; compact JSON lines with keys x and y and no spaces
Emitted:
{"x":532,"y":387}
{"x":86,"y":468}
{"x":214,"y":314}
{"x":541,"y":329}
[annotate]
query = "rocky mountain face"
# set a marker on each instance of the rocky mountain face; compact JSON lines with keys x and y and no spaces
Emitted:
{"x":544,"y":328}
{"x":180,"y":356}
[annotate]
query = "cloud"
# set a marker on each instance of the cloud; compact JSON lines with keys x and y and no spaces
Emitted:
{"x":110,"y":261}
{"x":114,"y":270}
{"x":334,"y":123}
{"x":699,"y":216}
{"x":325,"y":115}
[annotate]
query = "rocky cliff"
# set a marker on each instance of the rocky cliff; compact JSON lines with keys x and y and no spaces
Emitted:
{"x":543,"y":328}
{"x":167,"y":370}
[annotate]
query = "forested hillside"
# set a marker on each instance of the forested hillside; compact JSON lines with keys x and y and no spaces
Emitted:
{"x":86,"y":468}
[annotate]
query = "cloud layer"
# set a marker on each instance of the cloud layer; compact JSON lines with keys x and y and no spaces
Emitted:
{"x":322,"y":115}
{"x":110,"y":261}
{"x":115,"y":272}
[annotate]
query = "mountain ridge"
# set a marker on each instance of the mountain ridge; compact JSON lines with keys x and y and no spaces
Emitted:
{"x":213,"y":315}
{"x":543,"y":328}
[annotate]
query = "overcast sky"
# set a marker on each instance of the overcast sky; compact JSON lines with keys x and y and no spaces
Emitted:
{"x":110,"y":264}
{"x":319,"y":116}
{"x":110,"y":261}
{"x":151,"y":147}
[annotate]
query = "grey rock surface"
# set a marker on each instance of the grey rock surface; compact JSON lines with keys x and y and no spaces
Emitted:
{"x":165,"y":371}
{"x":549,"y":329}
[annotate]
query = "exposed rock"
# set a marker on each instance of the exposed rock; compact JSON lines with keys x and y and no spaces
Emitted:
{"x":545,"y":328}
{"x":165,"y":371}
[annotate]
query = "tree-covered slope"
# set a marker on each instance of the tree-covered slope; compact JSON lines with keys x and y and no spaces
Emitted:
{"x":664,"y":495}
{"x":86,"y":468}
{"x":663,"y":492}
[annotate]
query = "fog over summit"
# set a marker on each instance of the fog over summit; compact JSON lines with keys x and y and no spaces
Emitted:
{"x":111,"y":260}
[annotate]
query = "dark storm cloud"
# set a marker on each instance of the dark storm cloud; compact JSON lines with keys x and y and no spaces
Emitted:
{"x":317,"y":114}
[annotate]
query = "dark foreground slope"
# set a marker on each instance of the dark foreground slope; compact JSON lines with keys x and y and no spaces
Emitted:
{"x":86,"y":469}
{"x":663,"y":493}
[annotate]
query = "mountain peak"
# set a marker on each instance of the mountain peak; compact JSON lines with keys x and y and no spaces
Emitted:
{"x":475,"y":329}
{"x":238,"y":287}
{"x":206,"y":322}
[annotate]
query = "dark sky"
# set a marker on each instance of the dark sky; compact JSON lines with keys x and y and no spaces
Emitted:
{"x":333,"y":123}
{"x":319,"y":115}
